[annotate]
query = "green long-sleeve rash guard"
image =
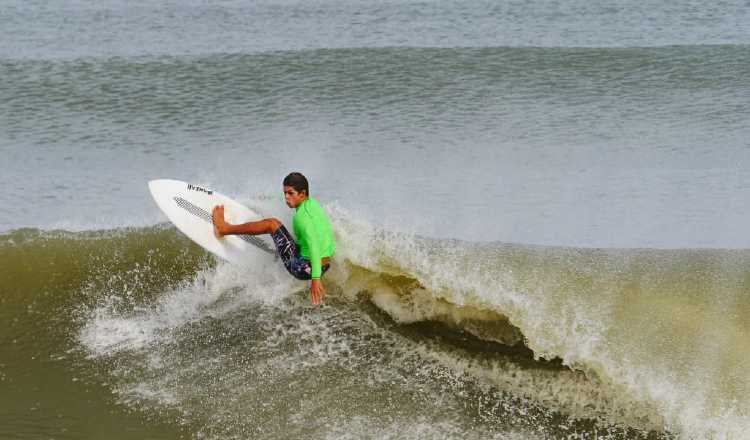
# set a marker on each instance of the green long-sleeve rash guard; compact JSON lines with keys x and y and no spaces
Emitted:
{"x":314,"y":234}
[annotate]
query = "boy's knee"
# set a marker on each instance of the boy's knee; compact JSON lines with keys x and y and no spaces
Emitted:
{"x":274,"y":224}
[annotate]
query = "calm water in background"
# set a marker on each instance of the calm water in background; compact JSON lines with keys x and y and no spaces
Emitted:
{"x":620,"y":124}
{"x":434,"y":132}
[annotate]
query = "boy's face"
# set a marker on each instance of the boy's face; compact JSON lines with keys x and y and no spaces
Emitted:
{"x":292,"y":197}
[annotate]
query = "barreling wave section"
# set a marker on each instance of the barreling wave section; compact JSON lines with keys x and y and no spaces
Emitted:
{"x":653,"y":339}
{"x":666,"y":328}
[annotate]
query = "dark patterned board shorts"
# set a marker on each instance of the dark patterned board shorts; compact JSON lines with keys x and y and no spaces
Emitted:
{"x":289,"y":253}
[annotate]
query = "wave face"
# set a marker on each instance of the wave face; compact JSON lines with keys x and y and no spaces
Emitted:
{"x":443,"y":337}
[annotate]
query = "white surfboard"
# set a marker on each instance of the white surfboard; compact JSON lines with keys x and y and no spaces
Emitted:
{"x":189,"y":207}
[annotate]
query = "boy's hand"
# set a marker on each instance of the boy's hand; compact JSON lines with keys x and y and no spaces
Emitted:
{"x":317,"y":292}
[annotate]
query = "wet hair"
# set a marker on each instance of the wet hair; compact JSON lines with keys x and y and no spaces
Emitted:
{"x":298,"y":182}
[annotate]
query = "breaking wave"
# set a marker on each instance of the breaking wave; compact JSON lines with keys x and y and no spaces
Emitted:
{"x":644,"y":340}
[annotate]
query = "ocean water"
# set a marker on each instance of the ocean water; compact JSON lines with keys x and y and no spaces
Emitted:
{"x":540,"y":208}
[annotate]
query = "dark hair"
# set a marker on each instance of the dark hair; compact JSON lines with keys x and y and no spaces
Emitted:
{"x":298,"y":182}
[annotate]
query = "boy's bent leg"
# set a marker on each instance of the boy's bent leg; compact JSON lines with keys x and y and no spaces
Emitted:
{"x":265,"y":226}
{"x":221,"y":227}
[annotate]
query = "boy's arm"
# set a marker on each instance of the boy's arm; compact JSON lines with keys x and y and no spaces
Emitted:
{"x":317,"y":290}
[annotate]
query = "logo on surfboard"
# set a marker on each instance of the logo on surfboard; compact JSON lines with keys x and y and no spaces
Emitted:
{"x":192,"y":187}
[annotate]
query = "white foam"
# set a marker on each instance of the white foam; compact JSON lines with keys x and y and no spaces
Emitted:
{"x":212,"y":292}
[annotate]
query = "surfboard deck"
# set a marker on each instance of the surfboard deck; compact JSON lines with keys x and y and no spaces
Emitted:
{"x":189,"y":208}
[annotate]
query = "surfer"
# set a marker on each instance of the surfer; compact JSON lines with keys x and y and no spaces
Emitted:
{"x":310,"y":257}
